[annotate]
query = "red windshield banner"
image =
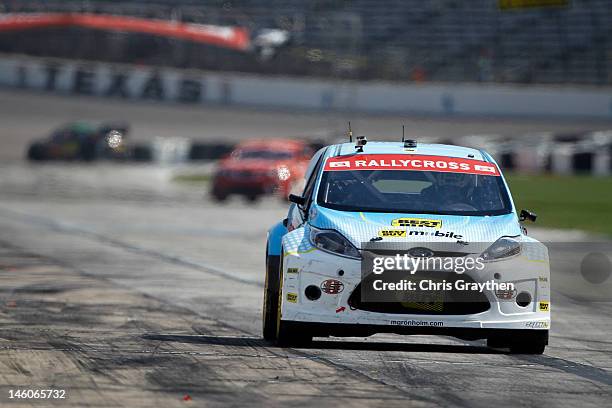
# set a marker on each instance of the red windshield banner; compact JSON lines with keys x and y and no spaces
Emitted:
{"x":411,"y":162}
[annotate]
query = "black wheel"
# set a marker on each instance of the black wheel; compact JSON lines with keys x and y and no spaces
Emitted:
{"x":36,"y":152}
{"x":252,"y":198}
{"x":290,"y":335}
{"x":283,"y":334}
{"x":287,"y":334}
{"x":521,"y":342}
{"x":271,"y":296}
{"x":218,"y":196}
{"x":88,"y":151}
{"x":141,"y":153}
{"x":532,"y":348}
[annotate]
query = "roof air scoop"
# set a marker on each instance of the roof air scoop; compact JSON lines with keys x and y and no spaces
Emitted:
{"x":410,"y":144}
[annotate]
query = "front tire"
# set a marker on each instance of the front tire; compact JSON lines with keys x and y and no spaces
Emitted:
{"x":523,"y":342}
{"x":36,"y":152}
{"x":283,"y":334}
{"x":291,"y":336}
{"x":271,"y":297}
{"x":251,"y":198}
{"x":531,"y":348}
{"x":219,"y":194}
{"x":88,"y":151}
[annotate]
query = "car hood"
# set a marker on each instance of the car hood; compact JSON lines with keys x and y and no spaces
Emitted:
{"x":361,"y":227}
{"x":251,"y":164}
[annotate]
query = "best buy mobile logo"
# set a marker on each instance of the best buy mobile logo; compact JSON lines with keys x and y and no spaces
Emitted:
{"x":416,"y":222}
{"x":391,"y":233}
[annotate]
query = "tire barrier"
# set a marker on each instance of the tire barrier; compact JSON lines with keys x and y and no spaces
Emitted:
{"x":578,"y":153}
{"x":141,"y":153}
{"x":588,"y":155}
{"x":208,"y":151}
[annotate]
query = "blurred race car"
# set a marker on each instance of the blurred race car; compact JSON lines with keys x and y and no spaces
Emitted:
{"x":259,"y":167}
{"x":82,"y":141}
{"x":440,"y":208}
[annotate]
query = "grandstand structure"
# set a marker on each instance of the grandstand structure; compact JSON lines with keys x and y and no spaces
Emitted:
{"x":397,"y":40}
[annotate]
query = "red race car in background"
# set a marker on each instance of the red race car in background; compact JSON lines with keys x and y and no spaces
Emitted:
{"x":259,"y":167}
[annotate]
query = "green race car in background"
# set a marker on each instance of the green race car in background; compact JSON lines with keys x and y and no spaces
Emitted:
{"x":82,"y":141}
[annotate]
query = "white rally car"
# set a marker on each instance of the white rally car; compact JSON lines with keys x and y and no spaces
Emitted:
{"x":426,"y":200}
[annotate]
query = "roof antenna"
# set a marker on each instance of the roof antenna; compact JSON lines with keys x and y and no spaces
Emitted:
{"x":350,"y":132}
{"x":403,"y":132}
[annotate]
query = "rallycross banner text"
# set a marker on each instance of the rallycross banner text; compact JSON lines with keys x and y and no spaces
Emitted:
{"x":411,"y":162}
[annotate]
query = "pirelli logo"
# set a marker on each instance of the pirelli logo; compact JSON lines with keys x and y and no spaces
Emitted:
{"x":544,"y":306}
{"x":388,"y":233}
{"x":417,"y":222}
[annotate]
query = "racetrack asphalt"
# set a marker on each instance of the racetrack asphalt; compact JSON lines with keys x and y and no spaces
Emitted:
{"x":125,"y":289}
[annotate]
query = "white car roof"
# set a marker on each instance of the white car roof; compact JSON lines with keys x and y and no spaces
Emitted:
{"x":428,"y":149}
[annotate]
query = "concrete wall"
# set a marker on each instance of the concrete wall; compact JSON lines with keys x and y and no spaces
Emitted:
{"x":137,"y":82}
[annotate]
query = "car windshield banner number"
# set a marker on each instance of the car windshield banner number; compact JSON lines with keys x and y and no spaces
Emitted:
{"x":411,"y":162}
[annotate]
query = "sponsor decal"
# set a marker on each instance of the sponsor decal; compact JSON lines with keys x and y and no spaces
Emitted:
{"x":293,"y":270}
{"x":125,"y":82}
{"x":332,"y":286}
{"x":340,"y":309}
{"x":543,"y":279}
{"x":292,"y":297}
{"x":506,"y":294}
{"x":339,"y":164}
{"x":440,"y":234}
{"x":411,"y":162}
{"x":387,"y":233}
{"x":544,"y":306}
{"x":415,"y":323}
{"x":537,"y":325}
{"x":416,"y":222}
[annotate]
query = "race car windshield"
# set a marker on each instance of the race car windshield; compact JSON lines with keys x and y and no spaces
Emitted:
{"x":263,"y":154}
{"x":424,"y":192}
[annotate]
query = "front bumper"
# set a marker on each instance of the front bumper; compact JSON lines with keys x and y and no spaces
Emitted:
{"x":312,"y":267}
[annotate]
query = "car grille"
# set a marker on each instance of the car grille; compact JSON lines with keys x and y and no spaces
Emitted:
{"x":447,"y":302}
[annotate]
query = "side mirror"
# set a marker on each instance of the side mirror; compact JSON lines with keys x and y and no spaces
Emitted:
{"x":299,"y":200}
{"x":527,"y":215}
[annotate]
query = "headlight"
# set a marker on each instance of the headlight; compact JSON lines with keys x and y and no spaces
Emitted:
{"x":283,"y":173}
{"x":504,"y":247}
{"x":334,"y":242}
{"x":114,"y":139}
